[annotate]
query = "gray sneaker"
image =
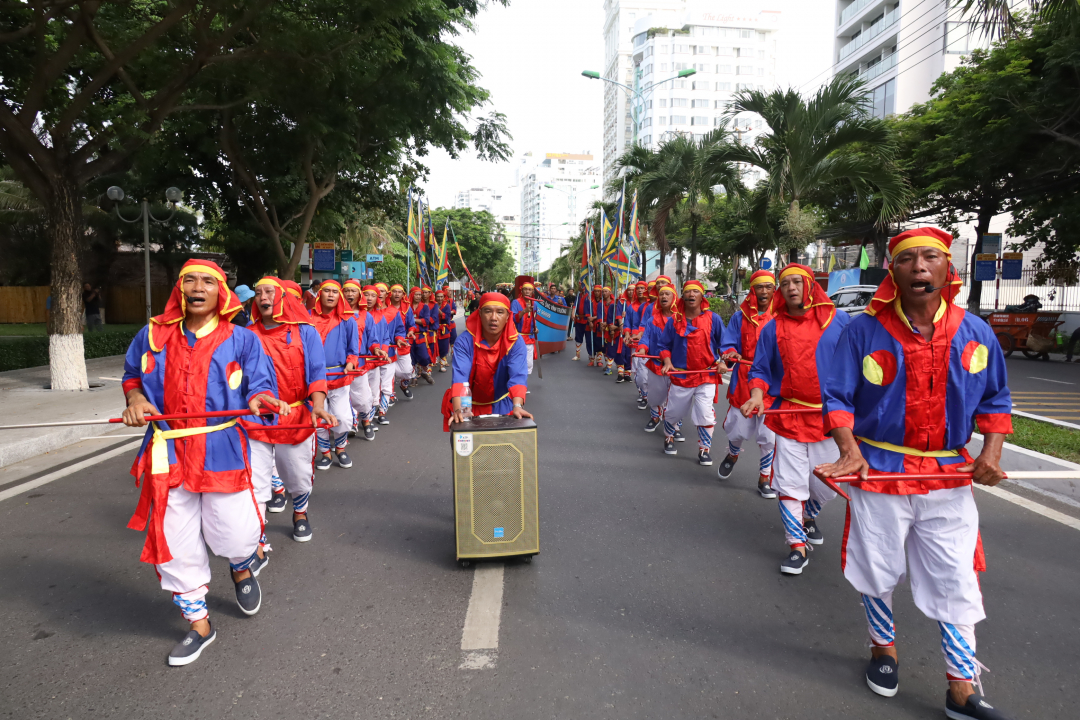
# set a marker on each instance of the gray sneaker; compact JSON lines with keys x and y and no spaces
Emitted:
{"x":188,"y":650}
{"x":652,"y":424}
{"x":277,"y":503}
{"x":679,"y":437}
{"x":257,"y":565}
{"x":766,"y":490}
{"x":301,"y":531}
{"x":369,"y":432}
{"x":249,"y":595}
{"x":813,"y":534}
{"x":324,"y":462}
{"x":794,"y":563}
{"x":343,"y":459}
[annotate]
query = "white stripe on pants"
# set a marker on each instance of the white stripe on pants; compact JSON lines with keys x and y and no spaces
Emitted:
{"x":697,"y":402}
{"x":386,"y":383}
{"x":362,"y":395}
{"x":739,"y":429}
{"x":228,"y":522}
{"x":529,"y":357}
{"x":801,"y":493}
{"x":337,"y":404}
{"x":294,"y":466}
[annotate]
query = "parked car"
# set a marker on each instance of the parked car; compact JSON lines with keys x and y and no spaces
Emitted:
{"x":853,"y":299}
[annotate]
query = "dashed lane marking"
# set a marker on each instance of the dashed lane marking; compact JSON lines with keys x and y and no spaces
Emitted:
{"x":1032,"y":506}
{"x":480,"y":636}
{"x":69,"y":470}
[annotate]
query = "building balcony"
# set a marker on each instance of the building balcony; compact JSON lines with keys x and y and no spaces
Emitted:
{"x":855,"y":10}
{"x":887,"y":64}
{"x":886,"y":24}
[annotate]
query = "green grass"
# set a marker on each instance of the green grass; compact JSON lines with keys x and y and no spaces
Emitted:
{"x":1059,"y":442}
{"x":38,"y":329}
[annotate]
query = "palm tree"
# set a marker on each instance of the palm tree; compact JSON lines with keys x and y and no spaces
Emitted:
{"x":686,"y":172}
{"x":999,"y":17}
{"x":817,"y":147}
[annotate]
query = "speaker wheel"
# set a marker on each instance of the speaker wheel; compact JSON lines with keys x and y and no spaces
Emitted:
{"x":465,"y":563}
{"x":527,"y":559}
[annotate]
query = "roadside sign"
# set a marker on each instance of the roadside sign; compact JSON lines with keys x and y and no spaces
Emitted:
{"x":985,"y":267}
{"x":374,"y":258}
{"x":345,"y":256}
{"x":353,"y":269}
{"x":322,"y":257}
{"x":992,"y":244}
{"x":1012,"y":266}
{"x":371,"y":273}
{"x":766,"y":263}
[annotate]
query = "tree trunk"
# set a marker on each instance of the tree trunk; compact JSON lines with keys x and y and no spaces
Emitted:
{"x":67,"y":363}
{"x":693,"y":249}
{"x":982,"y":226}
{"x":679,"y":268}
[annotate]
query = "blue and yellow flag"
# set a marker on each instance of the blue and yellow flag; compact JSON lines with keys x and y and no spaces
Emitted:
{"x":609,"y":237}
{"x":442,"y":275}
{"x":634,"y":234}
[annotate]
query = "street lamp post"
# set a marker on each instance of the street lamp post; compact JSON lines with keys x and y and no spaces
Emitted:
{"x":637,"y":93}
{"x":173,"y":195}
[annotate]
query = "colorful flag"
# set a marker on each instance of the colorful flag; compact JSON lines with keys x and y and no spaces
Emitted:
{"x":609,"y":237}
{"x":443,"y":272}
{"x":832,"y":262}
{"x":864,"y":259}
{"x":635,"y":238}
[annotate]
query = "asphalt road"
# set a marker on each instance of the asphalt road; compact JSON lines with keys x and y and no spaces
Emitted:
{"x":656,"y":595}
{"x":1050,"y":389}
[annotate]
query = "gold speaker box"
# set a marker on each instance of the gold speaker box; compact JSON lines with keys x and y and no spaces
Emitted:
{"x":496,"y":511}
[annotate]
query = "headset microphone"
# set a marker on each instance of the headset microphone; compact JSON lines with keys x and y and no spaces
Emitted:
{"x":930,"y":288}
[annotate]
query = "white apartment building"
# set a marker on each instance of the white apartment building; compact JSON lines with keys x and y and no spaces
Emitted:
{"x":556,"y":195}
{"x":476,"y":199}
{"x":728,"y":51}
{"x":900,"y":47}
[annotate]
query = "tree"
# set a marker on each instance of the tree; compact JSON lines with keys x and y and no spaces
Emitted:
{"x":483,"y":245}
{"x":685,"y":173}
{"x":817,"y":147}
{"x":1002,"y":17}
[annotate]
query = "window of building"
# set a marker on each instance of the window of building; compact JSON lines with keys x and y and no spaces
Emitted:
{"x":702,"y":67}
{"x":678,"y":66}
{"x":647,"y":70}
{"x":647,"y":122}
{"x":723,"y":87}
{"x":700,"y":103}
{"x":678,"y":84}
{"x":746,"y":34}
{"x":761,"y":54}
{"x":699,"y":120}
{"x":723,"y":69}
{"x":883,"y":99}
{"x":761,"y":35}
{"x":744,"y":70}
{"x":757,"y":124}
{"x":761,"y":72}
{"x":648,"y":52}
{"x":663,"y":102}
{"x":725,"y":51}
{"x":719,"y":120}
{"x":678,"y":119}
{"x":662,"y":50}
{"x":663,"y":67}
{"x":745,"y":52}
{"x":701,"y":50}
{"x":648,"y":104}
{"x":678,"y":102}
{"x":960,"y":38}
{"x":743,"y":86}
{"x":742,"y":123}
{"x":680,"y":48}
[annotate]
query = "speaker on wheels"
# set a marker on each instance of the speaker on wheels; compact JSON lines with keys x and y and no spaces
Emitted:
{"x":496,"y":510}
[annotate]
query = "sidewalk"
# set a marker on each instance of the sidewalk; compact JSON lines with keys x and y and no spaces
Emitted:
{"x":24,"y":399}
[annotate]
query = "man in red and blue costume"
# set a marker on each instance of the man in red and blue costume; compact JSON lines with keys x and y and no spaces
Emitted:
{"x":395,"y":340}
{"x":421,"y":355}
{"x":445,"y":320}
{"x":284,"y":328}
{"x":583,"y":319}
{"x":791,"y":360}
{"x":522,"y":310}
{"x":633,"y":329}
{"x":195,"y":473}
{"x":490,"y":372}
{"x":654,"y":318}
{"x":600,"y":302}
{"x":367,"y":383}
{"x":616,"y":316}
{"x":403,"y":367}
{"x":910,"y":380}
{"x":453,"y":312}
{"x":740,"y":342}
{"x":692,"y":341}
{"x":332,"y":318}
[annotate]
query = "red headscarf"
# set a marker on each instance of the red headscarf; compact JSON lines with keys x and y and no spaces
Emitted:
{"x":295,"y":290}
{"x":287,"y":308}
{"x":520,"y":294}
{"x":919,"y":237}
{"x":176,"y":308}
{"x":339,"y":311}
{"x":680,"y":305}
{"x":815,"y":300}
{"x":749,"y":304}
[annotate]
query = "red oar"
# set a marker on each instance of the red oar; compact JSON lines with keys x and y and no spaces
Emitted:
{"x":897,"y":477}
{"x":148,"y":418}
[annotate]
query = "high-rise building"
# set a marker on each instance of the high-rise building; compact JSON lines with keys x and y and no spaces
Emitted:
{"x":556,"y":195}
{"x":900,"y":47}
{"x":476,"y":199}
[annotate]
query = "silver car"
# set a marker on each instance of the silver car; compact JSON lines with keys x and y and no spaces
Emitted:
{"x":853,"y":299}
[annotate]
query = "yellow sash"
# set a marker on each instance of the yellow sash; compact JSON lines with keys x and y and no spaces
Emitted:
{"x":804,"y":404}
{"x":159,"y":449}
{"x":911,"y":451}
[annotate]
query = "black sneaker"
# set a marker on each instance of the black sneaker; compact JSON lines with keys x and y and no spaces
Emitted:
{"x":324,"y":462}
{"x":427,"y":376}
{"x":301,"y":530}
{"x":642,"y":404}
{"x":653,"y":424}
{"x":882,"y":676}
{"x":794,"y":563}
{"x":975,"y":707}
{"x":669,"y":446}
{"x":813,"y":535}
{"x":277,"y":503}
{"x":406,"y":391}
{"x":343,"y":459}
{"x":726,"y":466}
{"x":766,"y":491}
{"x":382,"y":419}
{"x":249,"y":595}
{"x":704,"y":458}
{"x":392,"y":401}
{"x":257,"y":565}
{"x":679,"y":437}
{"x":369,"y":432}
{"x":188,"y":650}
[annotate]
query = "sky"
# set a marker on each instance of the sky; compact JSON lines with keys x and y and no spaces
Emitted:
{"x":530,"y":56}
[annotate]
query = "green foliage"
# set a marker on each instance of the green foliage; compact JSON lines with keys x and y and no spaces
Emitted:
{"x":390,"y":271}
{"x":483,"y":243}
{"x":25,"y":352}
{"x":1046,"y":438}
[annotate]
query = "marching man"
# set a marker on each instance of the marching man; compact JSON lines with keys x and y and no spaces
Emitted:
{"x":909,"y":381}
{"x":196,"y":476}
{"x":793,"y":351}
{"x":421,"y":355}
{"x":633,"y":329}
{"x":654,"y":320}
{"x":335,"y":325}
{"x":395,"y":341}
{"x":367,"y":384}
{"x":284,"y":328}
{"x":691,"y":341}
{"x":522,"y":311}
{"x":403,"y":368}
{"x":583,"y":320}
{"x":740,"y":342}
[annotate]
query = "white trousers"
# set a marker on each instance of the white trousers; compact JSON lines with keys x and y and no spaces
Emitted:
{"x":337,"y":403}
{"x":697,"y":402}
{"x":802,"y":495}
{"x":658,"y":391}
{"x":403,"y":365}
{"x":386,"y":384}
{"x":529,"y":357}
{"x":229,"y":523}
{"x":741,"y":429}
{"x":641,"y":375}
{"x":295,"y":467}
{"x":363,"y":394}
{"x":940,"y":531}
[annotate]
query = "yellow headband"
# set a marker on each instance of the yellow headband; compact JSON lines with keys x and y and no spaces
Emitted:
{"x":492,"y":302}
{"x":791,"y":270}
{"x":202,"y":268}
{"x":920,"y":241}
{"x":760,"y":279}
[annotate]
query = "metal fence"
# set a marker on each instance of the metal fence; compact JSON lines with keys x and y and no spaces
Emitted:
{"x":1000,"y":293}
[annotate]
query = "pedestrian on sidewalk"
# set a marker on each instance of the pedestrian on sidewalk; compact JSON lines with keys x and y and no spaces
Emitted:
{"x":91,"y":298}
{"x":197,"y":491}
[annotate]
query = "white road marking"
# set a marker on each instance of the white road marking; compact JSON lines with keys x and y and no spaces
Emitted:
{"x":1052,"y":421}
{"x":1059,"y":382}
{"x":1032,"y":506}
{"x":69,"y":470}
{"x":480,"y":637}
